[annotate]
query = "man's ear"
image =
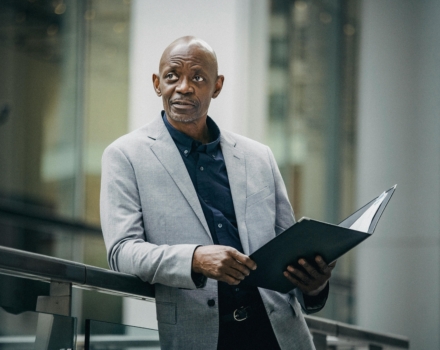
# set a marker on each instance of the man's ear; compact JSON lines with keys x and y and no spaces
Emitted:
{"x":218,"y":86}
{"x":156,"y":83}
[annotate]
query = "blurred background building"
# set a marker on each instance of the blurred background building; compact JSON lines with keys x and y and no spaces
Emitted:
{"x":345,"y":92}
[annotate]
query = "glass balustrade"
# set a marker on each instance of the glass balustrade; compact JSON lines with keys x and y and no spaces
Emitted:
{"x":36,"y":330}
{"x":104,"y":335}
{"x":23,"y":329}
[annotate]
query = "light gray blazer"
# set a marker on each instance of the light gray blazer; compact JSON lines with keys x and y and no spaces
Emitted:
{"x":152,"y":221}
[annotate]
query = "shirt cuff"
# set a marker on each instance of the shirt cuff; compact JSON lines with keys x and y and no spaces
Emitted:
{"x":314,"y":303}
{"x":198,"y":278}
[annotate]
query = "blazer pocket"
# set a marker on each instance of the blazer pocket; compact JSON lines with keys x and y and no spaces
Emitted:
{"x":166,"y":312}
{"x":258,"y":196}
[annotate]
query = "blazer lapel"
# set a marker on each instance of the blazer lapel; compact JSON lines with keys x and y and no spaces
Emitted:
{"x":236,"y":167}
{"x":167,"y":153}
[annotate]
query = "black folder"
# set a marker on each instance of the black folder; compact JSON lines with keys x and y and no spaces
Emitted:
{"x":308,"y":238}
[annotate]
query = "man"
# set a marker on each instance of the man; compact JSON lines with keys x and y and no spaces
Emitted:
{"x":183,"y":204}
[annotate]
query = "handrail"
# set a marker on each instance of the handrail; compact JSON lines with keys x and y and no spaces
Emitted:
{"x":346,"y":331}
{"x":49,"y":269}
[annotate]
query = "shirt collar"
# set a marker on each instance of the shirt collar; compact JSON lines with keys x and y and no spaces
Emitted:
{"x":186,"y":144}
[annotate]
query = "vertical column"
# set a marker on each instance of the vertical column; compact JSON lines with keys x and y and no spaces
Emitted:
{"x":398,"y":269}
{"x":237,"y":32}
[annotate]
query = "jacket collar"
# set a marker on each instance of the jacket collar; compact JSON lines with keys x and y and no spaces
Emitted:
{"x":167,"y":153}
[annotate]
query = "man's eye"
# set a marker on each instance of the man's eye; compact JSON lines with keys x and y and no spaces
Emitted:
{"x":170,"y":76}
{"x":198,"y":78}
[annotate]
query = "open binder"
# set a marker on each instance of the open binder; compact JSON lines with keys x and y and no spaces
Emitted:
{"x":308,"y":238}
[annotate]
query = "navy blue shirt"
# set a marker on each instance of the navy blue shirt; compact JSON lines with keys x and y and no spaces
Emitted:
{"x":207,"y":170}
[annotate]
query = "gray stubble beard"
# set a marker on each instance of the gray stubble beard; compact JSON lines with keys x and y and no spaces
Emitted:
{"x":184,"y":120}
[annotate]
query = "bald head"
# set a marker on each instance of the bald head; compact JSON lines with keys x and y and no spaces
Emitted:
{"x":187,"y":81}
{"x":185,"y":44}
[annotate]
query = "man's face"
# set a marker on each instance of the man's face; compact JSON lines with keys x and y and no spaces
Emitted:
{"x":187,"y":81}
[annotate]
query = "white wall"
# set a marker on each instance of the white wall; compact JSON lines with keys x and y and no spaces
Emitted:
{"x":238,"y":32}
{"x":398,"y":269}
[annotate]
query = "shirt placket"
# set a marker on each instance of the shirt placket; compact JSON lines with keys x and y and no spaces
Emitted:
{"x":205,"y":182}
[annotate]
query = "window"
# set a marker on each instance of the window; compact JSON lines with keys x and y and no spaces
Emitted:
{"x":312,"y":84}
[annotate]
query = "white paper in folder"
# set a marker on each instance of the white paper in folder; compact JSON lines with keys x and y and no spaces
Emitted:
{"x":364,"y":222}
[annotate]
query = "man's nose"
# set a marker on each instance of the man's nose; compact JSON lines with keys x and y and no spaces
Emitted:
{"x":184,"y":86}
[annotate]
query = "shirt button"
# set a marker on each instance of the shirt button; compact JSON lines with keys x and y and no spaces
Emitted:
{"x":185,"y":151}
{"x":211,"y":302}
{"x":237,"y":289}
{"x":213,"y":156}
{"x":201,"y":168}
{"x":220,"y":225}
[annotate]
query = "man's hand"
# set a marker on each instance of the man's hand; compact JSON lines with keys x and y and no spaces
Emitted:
{"x":222,"y":263}
{"x":313,"y":280}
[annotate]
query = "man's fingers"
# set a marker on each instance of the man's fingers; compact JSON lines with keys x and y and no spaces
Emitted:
{"x":311,"y":280}
{"x":244,"y":259}
{"x":292,"y":279}
{"x":333,"y":264}
{"x":230,"y":280}
{"x":323,"y":266}
{"x":222,"y":263}
{"x":309,"y":268}
{"x":235,"y":273}
{"x":299,"y":275}
{"x":241,"y":268}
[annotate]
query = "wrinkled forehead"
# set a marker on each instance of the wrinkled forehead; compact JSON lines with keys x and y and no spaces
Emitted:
{"x":194,"y":52}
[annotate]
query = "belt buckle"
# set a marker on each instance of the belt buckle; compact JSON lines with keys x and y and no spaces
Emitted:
{"x":240,"y":314}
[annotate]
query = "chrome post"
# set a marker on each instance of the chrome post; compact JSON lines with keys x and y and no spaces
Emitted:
{"x":55,"y":332}
{"x":59,"y":301}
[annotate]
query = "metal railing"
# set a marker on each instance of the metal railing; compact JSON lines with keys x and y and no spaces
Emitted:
{"x":63,"y":274}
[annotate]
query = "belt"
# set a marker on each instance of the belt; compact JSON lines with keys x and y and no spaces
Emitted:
{"x":243,"y":313}
{"x":240,"y":314}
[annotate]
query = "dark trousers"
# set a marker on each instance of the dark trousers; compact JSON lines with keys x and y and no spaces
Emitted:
{"x":253,"y":333}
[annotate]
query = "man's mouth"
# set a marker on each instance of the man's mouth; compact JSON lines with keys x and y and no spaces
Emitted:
{"x":183,"y":103}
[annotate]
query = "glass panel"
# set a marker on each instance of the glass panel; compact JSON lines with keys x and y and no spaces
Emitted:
{"x":312,"y":117}
{"x":38,"y":100}
{"x":36,"y":330}
{"x":105,"y":119}
{"x":106,"y":91}
{"x":104,"y":335}
{"x":41,"y":44}
{"x":63,"y":99}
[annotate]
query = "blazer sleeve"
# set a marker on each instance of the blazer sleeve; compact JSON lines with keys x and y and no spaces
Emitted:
{"x":284,"y":219}
{"x":123,"y":229}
